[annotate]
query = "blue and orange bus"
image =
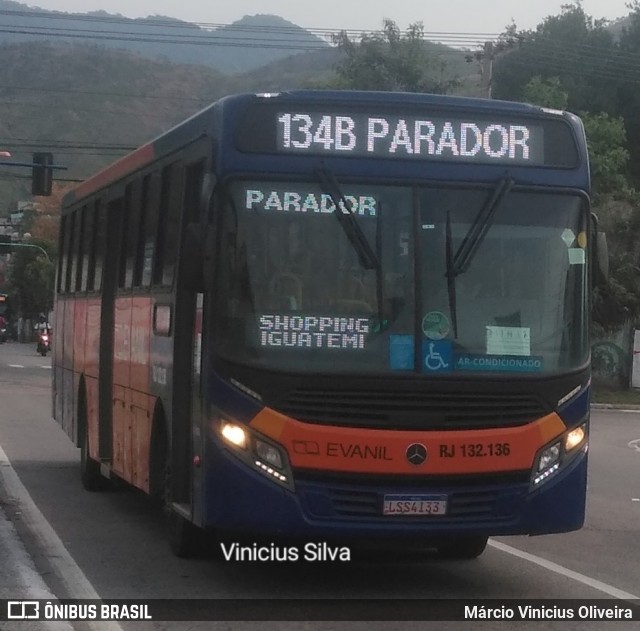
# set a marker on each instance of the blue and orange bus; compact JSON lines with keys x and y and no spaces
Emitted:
{"x":331,"y":314}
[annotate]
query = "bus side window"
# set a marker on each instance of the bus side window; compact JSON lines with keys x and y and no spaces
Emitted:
{"x":140,"y":254}
{"x":129,"y":235}
{"x":192,"y":191}
{"x":100,"y":243}
{"x":172,"y":227}
{"x":87,"y":246}
{"x":62,"y":261}
{"x":161,"y":234}
{"x":78,"y":258}
{"x":69,"y":251}
{"x":151,"y":201}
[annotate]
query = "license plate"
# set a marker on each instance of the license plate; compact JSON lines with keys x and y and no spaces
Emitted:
{"x":408,"y":505}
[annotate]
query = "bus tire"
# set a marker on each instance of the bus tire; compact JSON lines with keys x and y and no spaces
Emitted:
{"x":469,"y":547}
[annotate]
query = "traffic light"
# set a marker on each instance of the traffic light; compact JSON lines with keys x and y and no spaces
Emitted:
{"x":5,"y":243}
{"x":42,"y":173}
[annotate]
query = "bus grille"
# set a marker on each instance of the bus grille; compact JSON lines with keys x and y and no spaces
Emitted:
{"x":471,"y":505}
{"x":412,"y":410}
{"x":469,"y":499}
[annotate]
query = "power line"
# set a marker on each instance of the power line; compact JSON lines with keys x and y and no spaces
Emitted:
{"x":4,"y":175}
{"x":249,"y":43}
{"x":66,"y":144}
{"x":75,"y":110}
{"x":98,"y":93}
{"x":171,"y":23}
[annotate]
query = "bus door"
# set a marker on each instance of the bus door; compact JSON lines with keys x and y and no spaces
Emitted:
{"x":187,"y":430}
{"x":198,"y":434}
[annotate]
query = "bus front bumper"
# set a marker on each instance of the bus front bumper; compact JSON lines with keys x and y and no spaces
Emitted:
{"x":238,"y":499}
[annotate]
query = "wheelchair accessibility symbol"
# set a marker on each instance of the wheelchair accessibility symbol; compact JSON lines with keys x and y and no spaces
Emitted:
{"x":437,"y":356}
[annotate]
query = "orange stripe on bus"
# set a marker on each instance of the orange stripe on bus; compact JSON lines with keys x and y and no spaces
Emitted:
{"x":359,"y":450}
{"x":118,"y":169}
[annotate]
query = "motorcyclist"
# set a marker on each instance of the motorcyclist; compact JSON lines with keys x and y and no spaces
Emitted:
{"x":43,"y":329}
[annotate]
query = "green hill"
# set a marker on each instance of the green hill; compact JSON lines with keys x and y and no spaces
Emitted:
{"x":247,"y":44}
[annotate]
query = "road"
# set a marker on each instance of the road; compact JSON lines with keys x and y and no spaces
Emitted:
{"x":112,"y":545}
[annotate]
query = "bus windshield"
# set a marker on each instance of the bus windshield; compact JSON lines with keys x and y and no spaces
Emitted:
{"x":296,"y":297}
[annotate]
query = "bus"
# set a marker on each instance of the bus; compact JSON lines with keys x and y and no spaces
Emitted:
{"x":336,"y":315}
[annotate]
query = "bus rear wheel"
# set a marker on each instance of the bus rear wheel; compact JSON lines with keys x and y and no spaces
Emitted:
{"x":463,"y":547}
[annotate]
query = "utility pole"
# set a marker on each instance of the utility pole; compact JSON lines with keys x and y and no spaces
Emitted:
{"x":486,"y":70}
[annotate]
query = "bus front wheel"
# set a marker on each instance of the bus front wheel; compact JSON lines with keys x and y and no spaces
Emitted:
{"x":463,"y":547}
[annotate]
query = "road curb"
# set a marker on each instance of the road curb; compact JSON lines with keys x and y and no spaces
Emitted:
{"x":67,"y":571}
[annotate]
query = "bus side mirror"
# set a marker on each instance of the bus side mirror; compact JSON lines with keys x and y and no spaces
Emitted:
{"x":600,"y":263}
{"x":602,"y":257}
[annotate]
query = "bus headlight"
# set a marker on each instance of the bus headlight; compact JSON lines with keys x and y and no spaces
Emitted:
{"x":575,"y":437}
{"x":255,"y":450}
{"x":549,"y":457}
{"x":234,"y":434}
{"x":547,"y":463}
{"x":553,"y":457}
{"x":268,"y":453}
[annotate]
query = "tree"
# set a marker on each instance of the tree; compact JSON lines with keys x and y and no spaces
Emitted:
{"x":45,"y":224}
{"x":31,"y":280}
{"x":617,"y":206}
{"x":625,"y":84}
{"x":619,"y":301}
{"x":546,"y":92}
{"x":31,"y":272}
{"x":573,"y":62}
{"x":392,"y":61}
{"x":572,"y":47}
{"x":608,"y":154}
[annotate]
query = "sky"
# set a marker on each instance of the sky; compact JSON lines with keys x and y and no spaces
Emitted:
{"x":453,"y":16}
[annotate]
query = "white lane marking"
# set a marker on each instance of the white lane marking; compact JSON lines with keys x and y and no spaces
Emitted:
{"x":73,"y":578}
{"x":47,"y":367}
{"x":563,"y":571}
{"x":15,"y":366}
{"x":635,"y":444}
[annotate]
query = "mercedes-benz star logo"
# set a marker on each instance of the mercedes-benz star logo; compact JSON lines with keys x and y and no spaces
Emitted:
{"x":416,"y":453}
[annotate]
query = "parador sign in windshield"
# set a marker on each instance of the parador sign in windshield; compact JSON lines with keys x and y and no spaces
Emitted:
{"x":467,"y":139}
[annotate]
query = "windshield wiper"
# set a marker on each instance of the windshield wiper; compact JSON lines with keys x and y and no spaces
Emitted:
{"x":352,"y":229}
{"x":459,"y":263}
{"x":478,"y":230}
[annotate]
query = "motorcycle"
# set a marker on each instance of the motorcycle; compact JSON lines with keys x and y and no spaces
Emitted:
{"x":44,"y":343}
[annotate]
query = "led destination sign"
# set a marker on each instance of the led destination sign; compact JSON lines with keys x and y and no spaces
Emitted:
{"x":429,"y":132}
{"x":469,"y":139}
